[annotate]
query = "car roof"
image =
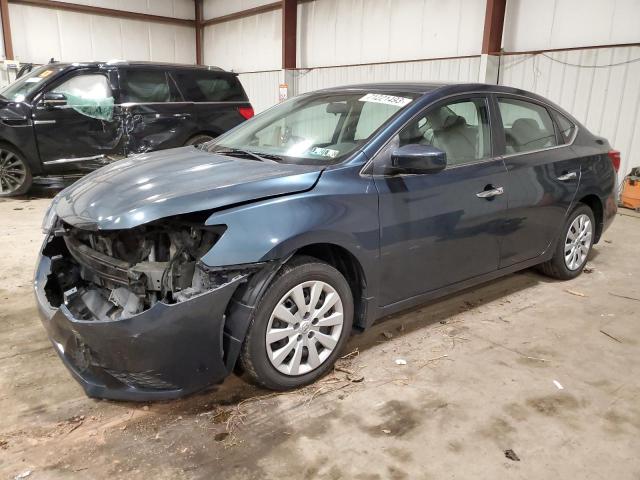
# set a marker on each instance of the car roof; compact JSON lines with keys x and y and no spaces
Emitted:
{"x":146,"y":64}
{"x":423,"y":88}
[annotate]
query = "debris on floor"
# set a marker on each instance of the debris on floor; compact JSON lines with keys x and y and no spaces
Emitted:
{"x":511,"y":455}
{"x":610,"y":336}
{"x":573,"y":292}
{"x":401,"y":361}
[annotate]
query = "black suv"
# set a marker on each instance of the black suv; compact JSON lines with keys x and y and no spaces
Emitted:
{"x":69,"y":118}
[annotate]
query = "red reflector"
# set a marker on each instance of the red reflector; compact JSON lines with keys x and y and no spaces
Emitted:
{"x":246,"y":112}
{"x":614,"y":155}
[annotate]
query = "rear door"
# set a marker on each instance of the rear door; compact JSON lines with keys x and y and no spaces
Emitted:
{"x":220,"y":102}
{"x":544,"y":175}
{"x":441,"y":228}
{"x":156,"y":115}
{"x":82,"y":124}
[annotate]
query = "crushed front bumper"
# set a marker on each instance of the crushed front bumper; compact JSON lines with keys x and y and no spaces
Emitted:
{"x":164,"y":352}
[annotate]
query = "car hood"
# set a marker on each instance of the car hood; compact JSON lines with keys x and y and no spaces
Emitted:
{"x":151,"y":186}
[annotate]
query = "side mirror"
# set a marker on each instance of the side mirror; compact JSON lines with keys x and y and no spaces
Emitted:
{"x":54,"y":99}
{"x":418,"y":159}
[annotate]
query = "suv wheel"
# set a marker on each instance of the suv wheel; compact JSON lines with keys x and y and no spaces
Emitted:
{"x":299,"y":327}
{"x":198,"y":139}
{"x":15,"y":174}
{"x":573,"y":246}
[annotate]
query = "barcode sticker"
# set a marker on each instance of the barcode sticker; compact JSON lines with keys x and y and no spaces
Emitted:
{"x":386,"y":99}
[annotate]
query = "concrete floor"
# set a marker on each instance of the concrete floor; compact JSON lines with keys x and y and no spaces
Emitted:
{"x":549,"y":370}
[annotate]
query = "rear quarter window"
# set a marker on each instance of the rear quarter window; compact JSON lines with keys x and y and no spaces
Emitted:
{"x":205,"y":86}
{"x":146,"y":86}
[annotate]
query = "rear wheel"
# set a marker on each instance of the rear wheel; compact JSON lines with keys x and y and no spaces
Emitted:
{"x":299,"y":326}
{"x":574,"y":245}
{"x":198,"y":139}
{"x":15,"y":174}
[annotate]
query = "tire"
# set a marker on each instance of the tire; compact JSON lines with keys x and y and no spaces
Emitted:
{"x":270,"y":364}
{"x":198,"y":139}
{"x":15,"y":174}
{"x":560,"y":266}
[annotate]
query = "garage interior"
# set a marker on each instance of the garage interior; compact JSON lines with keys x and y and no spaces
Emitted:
{"x":522,"y":377}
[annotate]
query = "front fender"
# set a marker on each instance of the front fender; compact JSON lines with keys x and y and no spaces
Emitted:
{"x":341,"y":210}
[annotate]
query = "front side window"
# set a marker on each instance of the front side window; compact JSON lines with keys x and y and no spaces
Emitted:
{"x":460,"y":129}
{"x":145,"y":86}
{"x":19,"y":90}
{"x":527,"y":126}
{"x":315,"y":129}
{"x":88,"y":94}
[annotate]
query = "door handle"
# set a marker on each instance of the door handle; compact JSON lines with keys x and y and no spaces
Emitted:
{"x":494,"y":192}
{"x":567,"y":176}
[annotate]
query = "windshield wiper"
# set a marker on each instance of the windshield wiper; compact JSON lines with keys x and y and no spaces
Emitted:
{"x":263,"y":157}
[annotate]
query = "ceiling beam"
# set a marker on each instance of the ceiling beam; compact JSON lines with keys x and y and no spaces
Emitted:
{"x":6,"y":30}
{"x":105,"y":12}
{"x":289,"y":33}
{"x":269,"y":7}
{"x":493,"y":25}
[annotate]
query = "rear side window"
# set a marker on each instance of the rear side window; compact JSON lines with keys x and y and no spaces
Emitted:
{"x":527,"y":126}
{"x":145,"y":86}
{"x":567,"y":127}
{"x":207,"y":86}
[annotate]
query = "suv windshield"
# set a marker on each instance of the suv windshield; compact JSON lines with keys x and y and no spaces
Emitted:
{"x":24,"y":86}
{"x":319,"y":128}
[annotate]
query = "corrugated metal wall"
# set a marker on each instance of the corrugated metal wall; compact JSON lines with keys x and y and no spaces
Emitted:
{"x":605,"y":98}
{"x":449,"y":70}
{"x":550,"y":24}
{"x":262,"y":88}
{"x":70,"y":36}
{"x":343,"y":32}
{"x":248,"y":44}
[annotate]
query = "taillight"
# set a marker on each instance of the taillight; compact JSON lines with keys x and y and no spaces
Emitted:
{"x":614,"y":155}
{"x":246,"y":112}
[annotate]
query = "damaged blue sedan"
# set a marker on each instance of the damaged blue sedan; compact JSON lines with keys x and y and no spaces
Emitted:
{"x":262,"y":250}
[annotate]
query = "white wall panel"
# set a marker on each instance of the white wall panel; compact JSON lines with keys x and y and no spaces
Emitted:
{"x":167,"y":8}
{"x":343,"y":32}
{"x":450,"y":70}
{"x":248,"y":44}
{"x":262,"y":88}
{"x":218,"y":8}
{"x":606,"y":99}
{"x":70,"y":36}
{"x":551,"y":24}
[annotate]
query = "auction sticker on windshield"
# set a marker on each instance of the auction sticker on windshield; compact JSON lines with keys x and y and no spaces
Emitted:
{"x":324,"y":152}
{"x":386,"y":99}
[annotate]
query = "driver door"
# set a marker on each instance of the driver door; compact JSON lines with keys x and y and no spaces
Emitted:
{"x":441,"y":228}
{"x":77,"y":121}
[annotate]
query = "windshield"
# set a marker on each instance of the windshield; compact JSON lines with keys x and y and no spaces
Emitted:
{"x":24,"y":86}
{"x":319,"y":128}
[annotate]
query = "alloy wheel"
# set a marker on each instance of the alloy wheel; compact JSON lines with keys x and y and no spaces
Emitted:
{"x":13,"y":172}
{"x":578,"y":242}
{"x":304,"y":328}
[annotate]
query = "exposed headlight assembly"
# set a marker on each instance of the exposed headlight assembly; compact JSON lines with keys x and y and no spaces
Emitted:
{"x":49,"y":220}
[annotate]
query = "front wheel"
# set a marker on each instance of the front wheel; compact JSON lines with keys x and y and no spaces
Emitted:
{"x":573,"y":246}
{"x":198,"y":140}
{"x":15,"y":174}
{"x":299,"y":327}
